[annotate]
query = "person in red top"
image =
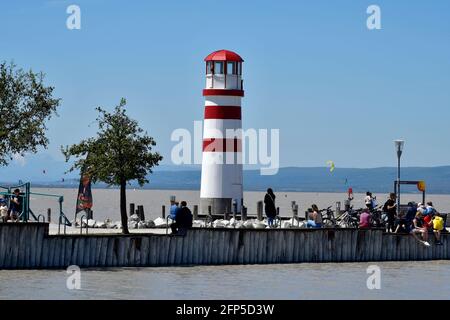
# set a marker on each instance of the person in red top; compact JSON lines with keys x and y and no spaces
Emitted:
{"x":364,"y":219}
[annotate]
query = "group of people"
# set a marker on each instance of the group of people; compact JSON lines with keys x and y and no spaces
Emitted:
{"x":389,"y":212}
{"x":181,"y":216}
{"x":419,"y":220}
{"x":11,"y":212}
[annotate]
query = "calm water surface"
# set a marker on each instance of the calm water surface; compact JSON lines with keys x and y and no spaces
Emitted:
{"x":399,"y":280}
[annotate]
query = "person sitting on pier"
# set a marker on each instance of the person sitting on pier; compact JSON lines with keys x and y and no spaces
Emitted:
{"x":438,"y":226}
{"x":364,"y":219}
{"x":183,"y":220}
{"x":174,"y":209}
{"x":3,"y":210}
{"x":419,"y":227}
{"x":314,"y":217}
{"x":421,"y":207}
{"x":269,"y":207}
{"x":402,"y":224}
{"x":428,"y":214}
{"x":410,"y":215}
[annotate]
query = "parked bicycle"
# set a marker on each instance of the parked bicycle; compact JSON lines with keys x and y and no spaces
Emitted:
{"x":349,"y":219}
{"x":377,"y":220}
{"x":328,"y":218}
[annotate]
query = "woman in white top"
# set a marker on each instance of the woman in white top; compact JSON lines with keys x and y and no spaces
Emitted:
{"x":368,"y":200}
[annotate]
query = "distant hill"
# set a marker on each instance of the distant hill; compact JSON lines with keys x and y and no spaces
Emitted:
{"x":318,"y":179}
{"x":43,"y":170}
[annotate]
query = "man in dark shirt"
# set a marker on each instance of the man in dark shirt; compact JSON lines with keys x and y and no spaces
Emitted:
{"x":410,"y":215}
{"x":390,"y":208}
{"x":183,"y":220}
{"x":269,"y":206}
{"x":15,"y":206}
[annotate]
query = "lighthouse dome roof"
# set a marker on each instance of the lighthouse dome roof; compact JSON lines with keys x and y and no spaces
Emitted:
{"x":224,"y":55}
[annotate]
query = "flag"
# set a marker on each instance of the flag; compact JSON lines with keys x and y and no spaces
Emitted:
{"x":84,"y":198}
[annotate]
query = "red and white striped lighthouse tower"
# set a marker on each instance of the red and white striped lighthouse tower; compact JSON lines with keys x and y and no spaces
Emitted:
{"x":221,"y":183}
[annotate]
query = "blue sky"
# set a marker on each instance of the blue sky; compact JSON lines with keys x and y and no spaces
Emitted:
{"x":336,"y":90}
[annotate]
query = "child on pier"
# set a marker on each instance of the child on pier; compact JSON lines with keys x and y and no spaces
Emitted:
{"x":3,"y":210}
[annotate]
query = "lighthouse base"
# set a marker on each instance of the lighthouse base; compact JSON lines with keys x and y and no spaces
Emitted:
{"x":218,"y":205}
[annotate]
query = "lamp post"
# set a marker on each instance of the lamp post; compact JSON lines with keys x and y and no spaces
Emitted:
{"x":399,"y":148}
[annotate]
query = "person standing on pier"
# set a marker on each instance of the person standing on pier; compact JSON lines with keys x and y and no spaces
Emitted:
{"x":3,"y":210}
{"x":15,"y":206}
{"x":369,"y":200}
{"x":269,"y":206}
{"x":390,"y":208}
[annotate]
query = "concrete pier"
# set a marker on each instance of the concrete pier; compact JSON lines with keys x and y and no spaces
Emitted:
{"x":29,"y":246}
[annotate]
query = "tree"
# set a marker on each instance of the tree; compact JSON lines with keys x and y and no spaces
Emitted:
{"x":121,"y":152}
{"x":25,"y":104}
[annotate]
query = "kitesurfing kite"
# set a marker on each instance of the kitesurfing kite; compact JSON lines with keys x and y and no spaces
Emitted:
{"x":331,"y":164}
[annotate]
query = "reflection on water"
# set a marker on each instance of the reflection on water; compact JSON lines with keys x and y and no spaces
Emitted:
{"x":399,"y":280}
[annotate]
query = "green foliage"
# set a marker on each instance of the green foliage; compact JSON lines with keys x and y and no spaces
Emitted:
{"x":25,"y":104}
{"x":121,"y":152}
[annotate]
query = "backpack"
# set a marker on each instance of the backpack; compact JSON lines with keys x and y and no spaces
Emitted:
{"x":438,"y":223}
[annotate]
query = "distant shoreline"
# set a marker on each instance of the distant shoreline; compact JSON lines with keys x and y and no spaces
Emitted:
{"x":132,"y":188}
{"x":379,"y":180}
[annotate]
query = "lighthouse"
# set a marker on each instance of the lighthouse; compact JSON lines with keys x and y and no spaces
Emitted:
{"x":221,"y":183}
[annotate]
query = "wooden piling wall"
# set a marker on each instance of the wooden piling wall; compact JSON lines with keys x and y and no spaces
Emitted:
{"x":29,"y":246}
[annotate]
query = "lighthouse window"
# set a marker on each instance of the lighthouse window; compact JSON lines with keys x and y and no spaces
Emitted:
{"x":218,"y":67}
{"x":239,"y":68}
{"x":209,"y":67}
{"x":231,"y":68}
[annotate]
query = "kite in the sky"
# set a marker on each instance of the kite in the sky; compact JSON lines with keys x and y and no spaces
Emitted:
{"x":331,"y":164}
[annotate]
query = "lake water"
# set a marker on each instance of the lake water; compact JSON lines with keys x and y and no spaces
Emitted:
{"x":106,"y":201}
{"x":399,"y":280}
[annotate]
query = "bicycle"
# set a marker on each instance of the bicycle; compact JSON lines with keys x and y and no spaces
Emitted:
{"x":349,"y":219}
{"x":377,"y":220}
{"x":328,"y":219}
